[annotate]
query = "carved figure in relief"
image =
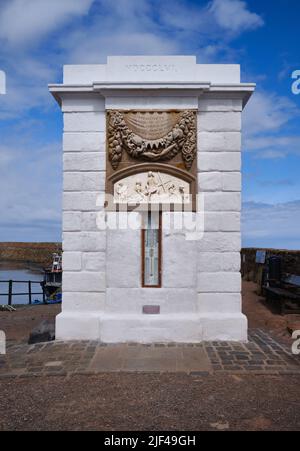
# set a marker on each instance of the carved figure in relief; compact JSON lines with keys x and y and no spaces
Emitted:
{"x":151,"y":187}
{"x":121,"y":191}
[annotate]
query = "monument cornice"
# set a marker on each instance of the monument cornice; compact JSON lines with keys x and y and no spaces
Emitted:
{"x":106,"y":89}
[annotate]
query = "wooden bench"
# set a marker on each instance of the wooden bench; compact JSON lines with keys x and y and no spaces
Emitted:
{"x":286,"y":296}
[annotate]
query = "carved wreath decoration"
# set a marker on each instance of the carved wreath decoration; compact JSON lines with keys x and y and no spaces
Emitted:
{"x":181,"y":138}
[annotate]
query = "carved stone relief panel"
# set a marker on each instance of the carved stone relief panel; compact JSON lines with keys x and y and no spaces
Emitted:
{"x":151,"y":187}
{"x":153,"y":136}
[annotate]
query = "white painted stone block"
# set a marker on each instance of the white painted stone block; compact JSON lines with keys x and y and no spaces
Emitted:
{"x":208,"y":103}
{"x":219,"y":141}
{"x":71,"y":221}
{"x":219,"y":261}
{"x":84,"y":241}
{"x":84,"y":181}
{"x":141,"y":102}
{"x":219,"y":161}
{"x":210,"y":181}
{"x":83,"y":302}
{"x":232,"y":181}
{"x":84,"y":161}
{"x":221,"y":201}
{"x":124,"y":258}
{"x":179,"y":263}
{"x":171,"y":300}
{"x":224,"y":327}
{"x":222,"y":221}
{"x":84,"y":142}
{"x":77,"y":326}
{"x":216,"y":282}
{"x":81,"y":201}
{"x":219,"y":303}
{"x":71,"y":261}
{"x":218,"y":122}
{"x":178,"y":328}
{"x":84,"y":122}
{"x":219,"y":181}
{"x":94,"y":261}
{"x":220,"y":242}
{"x":84,"y":282}
{"x":72,"y":103}
{"x":89,"y":221}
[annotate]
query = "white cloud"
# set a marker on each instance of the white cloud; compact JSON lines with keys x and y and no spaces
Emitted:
{"x":267,"y":112}
{"x":23,"y":21}
{"x":271,"y":225}
{"x":234,"y":16}
{"x":32,"y":189}
{"x":264,"y":121}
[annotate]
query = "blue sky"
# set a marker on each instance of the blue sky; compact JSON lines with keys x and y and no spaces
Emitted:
{"x":38,"y":36}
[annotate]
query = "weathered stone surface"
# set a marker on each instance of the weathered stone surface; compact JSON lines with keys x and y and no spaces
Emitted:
{"x":94,"y":261}
{"x":84,"y":181}
{"x":219,"y":181}
{"x":71,"y":261}
{"x":222,"y":201}
{"x":84,"y":161}
{"x":87,"y":282}
{"x":207,"y":104}
{"x":219,"y":122}
{"x":217,"y":282}
{"x":220,"y":242}
{"x":219,"y":161}
{"x":81,"y":201}
{"x":84,"y":122}
{"x":219,"y":261}
{"x":219,"y":141}
{"x":84,"y":142}
{"x":219,"y":302}
{"x":71,"y":221}
{"x":84,"y":241}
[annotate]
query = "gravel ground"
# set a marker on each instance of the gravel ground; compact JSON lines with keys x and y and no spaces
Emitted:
{"x":151,"y":402}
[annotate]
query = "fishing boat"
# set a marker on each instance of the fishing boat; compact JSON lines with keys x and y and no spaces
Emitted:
{"x":53,"y":280}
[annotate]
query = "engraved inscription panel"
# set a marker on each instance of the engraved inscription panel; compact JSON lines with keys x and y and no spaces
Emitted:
{"x":151,"y":125}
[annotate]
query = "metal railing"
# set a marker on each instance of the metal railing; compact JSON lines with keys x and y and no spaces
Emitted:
{"x":10,"y":294}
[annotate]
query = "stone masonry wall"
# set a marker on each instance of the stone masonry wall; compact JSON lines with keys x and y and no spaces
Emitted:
{"x":84,"y":245}
{"x":219,"y":179}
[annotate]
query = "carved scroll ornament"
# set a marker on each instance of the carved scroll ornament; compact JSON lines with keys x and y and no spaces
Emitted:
{"x":152,"y":136}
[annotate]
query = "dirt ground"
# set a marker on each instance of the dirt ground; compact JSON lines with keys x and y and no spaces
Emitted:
{"x":18,"y":325}
{"x":262,"y":316}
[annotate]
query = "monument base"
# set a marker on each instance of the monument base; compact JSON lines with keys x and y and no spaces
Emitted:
{"x":171,"y":328}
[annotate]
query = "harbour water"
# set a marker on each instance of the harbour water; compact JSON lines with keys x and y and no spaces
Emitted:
{"x":19,"y":272}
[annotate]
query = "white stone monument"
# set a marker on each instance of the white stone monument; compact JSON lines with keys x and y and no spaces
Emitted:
{"x":151,"y":131}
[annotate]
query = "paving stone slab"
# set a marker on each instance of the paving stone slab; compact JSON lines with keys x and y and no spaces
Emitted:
{"x":261,"y":355}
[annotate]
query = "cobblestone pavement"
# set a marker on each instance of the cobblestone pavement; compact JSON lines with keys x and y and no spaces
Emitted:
{"x":261,"y":355}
